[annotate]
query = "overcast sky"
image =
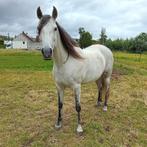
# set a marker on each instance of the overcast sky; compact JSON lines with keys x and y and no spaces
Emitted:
{"x":121,"y":18}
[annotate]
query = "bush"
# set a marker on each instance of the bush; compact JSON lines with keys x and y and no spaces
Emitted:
{"x":2,"y":43}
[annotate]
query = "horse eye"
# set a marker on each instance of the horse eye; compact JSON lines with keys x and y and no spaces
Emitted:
{"x":55,"y":29}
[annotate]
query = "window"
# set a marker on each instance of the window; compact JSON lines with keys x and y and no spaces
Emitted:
{"x":23,"y":42}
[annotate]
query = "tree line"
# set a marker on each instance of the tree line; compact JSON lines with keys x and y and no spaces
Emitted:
{"x":6,"y":38}
{"x":2,"y":43}
{"x":137,"y":44}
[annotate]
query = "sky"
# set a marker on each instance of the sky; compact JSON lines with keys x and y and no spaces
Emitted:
{"x":120,"y":18}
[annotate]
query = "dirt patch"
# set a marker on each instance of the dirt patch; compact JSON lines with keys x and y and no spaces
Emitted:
{"x":35,"y":95}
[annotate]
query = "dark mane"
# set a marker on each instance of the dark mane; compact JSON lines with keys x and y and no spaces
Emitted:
{"x":68,"y":42}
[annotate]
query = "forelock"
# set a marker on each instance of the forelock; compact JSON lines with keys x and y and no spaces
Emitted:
{"x":43,"y":21}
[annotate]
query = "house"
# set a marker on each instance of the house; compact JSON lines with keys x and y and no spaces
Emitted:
{"x":23,"y":41}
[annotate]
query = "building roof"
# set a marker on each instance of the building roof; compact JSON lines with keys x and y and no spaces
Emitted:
{"x":27,"y":36}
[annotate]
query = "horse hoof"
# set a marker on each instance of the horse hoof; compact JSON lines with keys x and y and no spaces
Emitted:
{"x":58,"y":126}
{"x":105,"y":108}
{"x":79,"y":129}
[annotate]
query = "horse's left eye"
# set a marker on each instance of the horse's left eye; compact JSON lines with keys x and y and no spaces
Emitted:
{"x":55,"y":29}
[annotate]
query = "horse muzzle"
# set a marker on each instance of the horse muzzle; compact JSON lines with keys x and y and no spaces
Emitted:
{"x":47,"y":53}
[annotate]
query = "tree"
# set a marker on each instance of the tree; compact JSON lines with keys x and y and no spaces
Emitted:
{"x":2,"y":43}
{"x":139,"y":43}
{"x":103,"y":36}
{"x":85,"y":38}
{"x":81,"y":31}
{"x":109,"y":43}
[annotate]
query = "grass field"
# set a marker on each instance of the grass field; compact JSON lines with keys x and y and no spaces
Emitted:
{"x":28,"y":105}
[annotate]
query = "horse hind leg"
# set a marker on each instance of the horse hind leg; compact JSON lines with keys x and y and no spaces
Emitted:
{"x":107,"y":91}
{"x":100,"y":89}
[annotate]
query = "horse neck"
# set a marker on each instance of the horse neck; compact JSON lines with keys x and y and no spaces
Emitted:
{"x":60,"y":55}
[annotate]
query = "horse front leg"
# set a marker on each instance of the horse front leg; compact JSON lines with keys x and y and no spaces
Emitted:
{"x":77,"y":91}
{"x":60,"y":105}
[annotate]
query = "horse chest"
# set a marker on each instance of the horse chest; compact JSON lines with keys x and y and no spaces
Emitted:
{"x":63,"y":78}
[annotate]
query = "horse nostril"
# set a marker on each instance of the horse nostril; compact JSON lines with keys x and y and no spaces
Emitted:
{"x":46,"y":52}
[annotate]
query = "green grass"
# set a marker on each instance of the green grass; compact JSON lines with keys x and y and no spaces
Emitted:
{"x":28,"y":105}
{"x":23,"y":60}
{"x":129,"y":63}
{"x":18,"y":60}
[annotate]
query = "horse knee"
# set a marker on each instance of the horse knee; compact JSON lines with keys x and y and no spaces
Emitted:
{"x":78,"y":108}
{"x":107,"y":82}
{"x":60,"y":105}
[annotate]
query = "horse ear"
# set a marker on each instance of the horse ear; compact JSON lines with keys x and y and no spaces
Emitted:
{"x":54,"y":13}
{"x":39,"y":13}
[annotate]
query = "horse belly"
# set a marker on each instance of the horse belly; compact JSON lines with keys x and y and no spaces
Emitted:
{"x":94,"y":70}
{"x":92,"y":75}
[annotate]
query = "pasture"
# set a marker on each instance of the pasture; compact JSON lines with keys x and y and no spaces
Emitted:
{"x":28,"y":105}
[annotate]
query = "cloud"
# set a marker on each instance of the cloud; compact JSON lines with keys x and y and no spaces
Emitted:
{"x":121,"y":19}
